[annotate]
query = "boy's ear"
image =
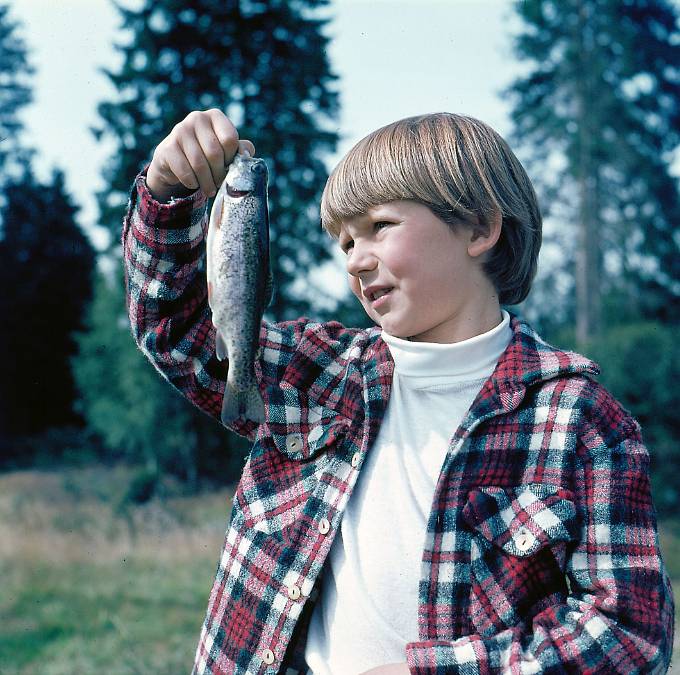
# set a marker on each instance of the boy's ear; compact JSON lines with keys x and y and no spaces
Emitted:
{"x":485,"y":234}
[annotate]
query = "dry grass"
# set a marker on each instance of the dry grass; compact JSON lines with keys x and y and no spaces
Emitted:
{"x":92,"y":585}
{"x":79,"y":516}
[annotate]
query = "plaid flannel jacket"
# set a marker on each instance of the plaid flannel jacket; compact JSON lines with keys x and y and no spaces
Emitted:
{"x":541,"y":552}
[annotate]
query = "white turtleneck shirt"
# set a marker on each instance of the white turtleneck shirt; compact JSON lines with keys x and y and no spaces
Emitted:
{"x":368,"y":609}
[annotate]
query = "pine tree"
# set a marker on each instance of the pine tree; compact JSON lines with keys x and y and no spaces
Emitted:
{"x":599,"y":112}
{"x":46,"y":264}
{"x":15,"y":90}
{"x":132,"y":409}
{"x":265,"y":65}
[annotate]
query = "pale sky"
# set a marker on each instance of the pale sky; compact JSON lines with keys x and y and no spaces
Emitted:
{"x":394,"y":59}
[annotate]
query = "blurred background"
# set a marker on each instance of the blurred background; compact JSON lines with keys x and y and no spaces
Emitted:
{"x":115,"y":493}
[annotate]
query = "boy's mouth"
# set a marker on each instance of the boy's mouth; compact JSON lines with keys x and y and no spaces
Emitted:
{"x":372,"y":293}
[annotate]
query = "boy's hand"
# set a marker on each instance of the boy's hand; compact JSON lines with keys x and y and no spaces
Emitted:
{"x":389,"y":669}
{"x":195,"y":155}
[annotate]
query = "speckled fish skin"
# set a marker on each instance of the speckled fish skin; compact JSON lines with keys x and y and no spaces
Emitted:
{"x":239,"y":280}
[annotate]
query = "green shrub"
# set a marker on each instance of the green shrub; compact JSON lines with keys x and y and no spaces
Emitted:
{"x":641,"y":366}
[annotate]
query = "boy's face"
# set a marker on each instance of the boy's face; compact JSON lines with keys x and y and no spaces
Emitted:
{"x":417,"y":277}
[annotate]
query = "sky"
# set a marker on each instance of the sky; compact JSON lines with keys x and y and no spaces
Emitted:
{"x":394,"y":59}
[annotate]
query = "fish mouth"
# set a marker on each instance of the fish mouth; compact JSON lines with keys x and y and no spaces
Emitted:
{"x":233,"y":192}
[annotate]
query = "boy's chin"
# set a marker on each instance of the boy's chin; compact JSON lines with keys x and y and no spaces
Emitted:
{"x":397,"y":334}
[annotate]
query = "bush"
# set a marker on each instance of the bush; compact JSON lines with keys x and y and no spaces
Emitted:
{"x":641,"y":366}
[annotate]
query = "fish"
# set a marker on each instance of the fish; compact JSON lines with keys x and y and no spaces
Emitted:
{"x":239,"y":281}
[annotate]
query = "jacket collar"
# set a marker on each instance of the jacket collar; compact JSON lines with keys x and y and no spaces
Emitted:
{"x":527,"y":361}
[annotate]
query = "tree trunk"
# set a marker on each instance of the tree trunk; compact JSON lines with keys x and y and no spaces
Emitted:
{"x":588,"y":288}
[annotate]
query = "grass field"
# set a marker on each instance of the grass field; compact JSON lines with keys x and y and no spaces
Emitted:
{"x":88,"y":586}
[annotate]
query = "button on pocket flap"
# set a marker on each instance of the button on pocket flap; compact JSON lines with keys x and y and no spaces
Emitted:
{"x":522,"y":520}
{"x":305,"y":441}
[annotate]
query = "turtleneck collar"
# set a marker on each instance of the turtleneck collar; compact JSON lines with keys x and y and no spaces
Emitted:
{"x":436,"y":363}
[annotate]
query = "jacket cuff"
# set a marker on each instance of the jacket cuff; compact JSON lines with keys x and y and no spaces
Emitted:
{"x":179,"y":223}
{"x":434,"y":657}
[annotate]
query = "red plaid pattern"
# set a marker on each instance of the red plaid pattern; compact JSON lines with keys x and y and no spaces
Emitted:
{"x":541,"y":553}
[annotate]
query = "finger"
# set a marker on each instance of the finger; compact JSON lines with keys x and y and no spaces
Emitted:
{"x":225,"y":132}
{"x":212,"y":149}
{"x":199,"y":163}
{"x":180,"y":169}
{"x":246,"y":146}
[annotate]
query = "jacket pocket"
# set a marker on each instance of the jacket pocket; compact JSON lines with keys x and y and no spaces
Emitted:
{"x":520,"y":539}
{"x":282,"y":474}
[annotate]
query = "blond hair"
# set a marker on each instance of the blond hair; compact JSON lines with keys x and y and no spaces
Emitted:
{"x":458,"y":167}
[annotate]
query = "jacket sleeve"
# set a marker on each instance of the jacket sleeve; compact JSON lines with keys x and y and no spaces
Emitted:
{"x":164,"y":264}
{"x":167,"y":295}
{"x":618,"y":614}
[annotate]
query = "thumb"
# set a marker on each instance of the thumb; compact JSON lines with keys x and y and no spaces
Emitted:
{"x":245,"y":146}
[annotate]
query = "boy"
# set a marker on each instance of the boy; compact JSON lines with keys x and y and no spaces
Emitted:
{"x":500,"y":517}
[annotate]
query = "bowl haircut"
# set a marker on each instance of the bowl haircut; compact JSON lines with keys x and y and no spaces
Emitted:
{"x":458,"y":167}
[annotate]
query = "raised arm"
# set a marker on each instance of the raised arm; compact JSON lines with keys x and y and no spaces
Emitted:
{"x":164,"y":250}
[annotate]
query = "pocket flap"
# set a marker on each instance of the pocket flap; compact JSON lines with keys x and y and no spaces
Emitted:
{"x":522,"y":520}
{"x":304,"y":442}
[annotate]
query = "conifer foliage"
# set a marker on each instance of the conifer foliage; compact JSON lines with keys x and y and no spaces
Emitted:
{"x":599,"y":114}
{"x":46,"y":265}
{"x":265,"y":65}
{"x":15,"y":90}
{"x":45,"y":268}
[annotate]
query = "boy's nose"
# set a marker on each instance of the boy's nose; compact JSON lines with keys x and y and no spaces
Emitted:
{"x":360,"y":260}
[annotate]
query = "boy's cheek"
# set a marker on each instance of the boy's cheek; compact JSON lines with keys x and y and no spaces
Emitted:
{"x":355,"y":287}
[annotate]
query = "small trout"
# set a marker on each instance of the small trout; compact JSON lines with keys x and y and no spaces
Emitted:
{"x":239,"y":280}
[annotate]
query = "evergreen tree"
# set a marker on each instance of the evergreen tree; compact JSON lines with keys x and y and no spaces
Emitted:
{"x":265,"y":65}
{"x":46,"y":264}
{"x":600,"y":111}
{"x":132,"y":409}
{"x":15,"y":90}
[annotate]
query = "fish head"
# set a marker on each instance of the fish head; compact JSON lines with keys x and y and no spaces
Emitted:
{"x":246,"y":176}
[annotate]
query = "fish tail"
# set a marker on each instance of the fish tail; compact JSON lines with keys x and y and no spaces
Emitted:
{"x":254,"y":405}
{"x":246,"y":403}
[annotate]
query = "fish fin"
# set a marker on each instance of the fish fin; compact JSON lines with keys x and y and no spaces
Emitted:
{"x":220,"y":346}
{"x":268,"y":289}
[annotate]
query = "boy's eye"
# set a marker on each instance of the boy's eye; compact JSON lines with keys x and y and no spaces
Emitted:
{"x":348,"y":244}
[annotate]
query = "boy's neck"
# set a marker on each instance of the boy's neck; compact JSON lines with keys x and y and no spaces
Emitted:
{"x":467,"y":326}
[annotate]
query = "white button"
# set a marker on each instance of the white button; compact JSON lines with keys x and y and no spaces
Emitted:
{"x":268,"y":656}
{"x":293,"y":442}
{"x":356,"y":458}
{"x":525,"y":540}
{"x":293,"y":592}
{"x":324,"y":526}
